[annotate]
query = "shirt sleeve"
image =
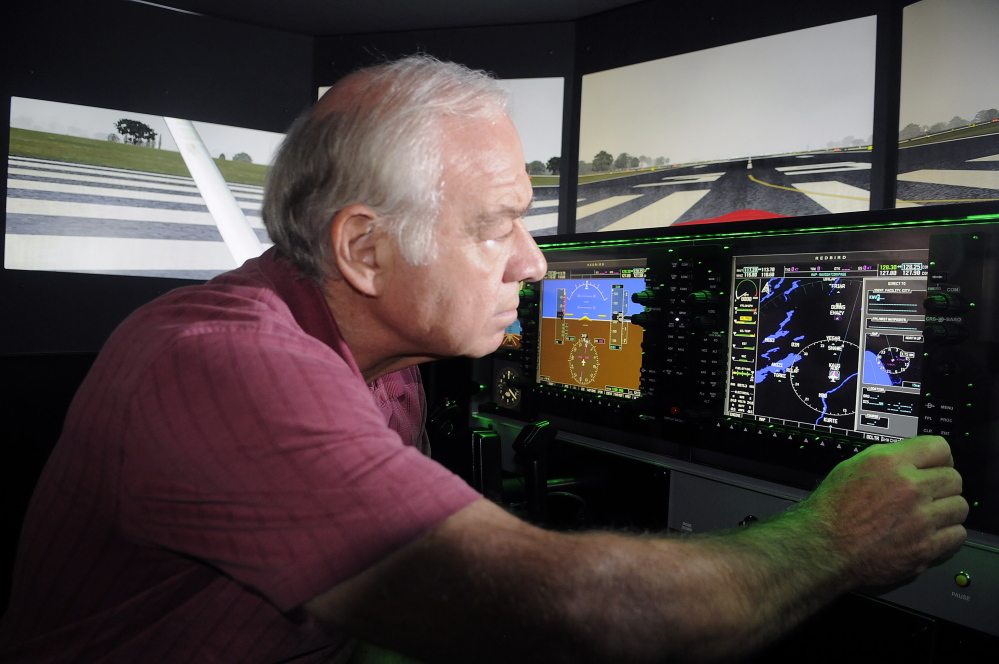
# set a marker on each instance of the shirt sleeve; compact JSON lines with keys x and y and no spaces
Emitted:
{"x":269,"y":459}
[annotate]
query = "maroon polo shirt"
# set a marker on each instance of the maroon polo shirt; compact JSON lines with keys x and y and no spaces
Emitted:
{"x":222,"y":463}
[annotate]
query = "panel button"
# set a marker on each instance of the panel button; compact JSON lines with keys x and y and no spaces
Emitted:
{"x":962,"y":579}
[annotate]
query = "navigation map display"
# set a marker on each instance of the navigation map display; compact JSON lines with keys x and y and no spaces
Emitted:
{"x":831,"y":342}
{"x":586,"y":341}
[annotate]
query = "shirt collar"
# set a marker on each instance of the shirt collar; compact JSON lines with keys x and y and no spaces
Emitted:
{"x":305,"y":300}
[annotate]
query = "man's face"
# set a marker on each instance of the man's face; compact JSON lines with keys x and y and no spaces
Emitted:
{"x":461,"y":303}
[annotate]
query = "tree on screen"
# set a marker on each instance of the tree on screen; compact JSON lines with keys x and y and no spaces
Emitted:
{"x":243,"y":157}
{"x":910,"y":130}
{"x":554,"y":165}
{"x":536,"y":168}
{"x":987,"y":115}
{"x":136,"y":133}
{"x":957,"y":121}
{"x":602,"y":161}
{"x":623,"y":161}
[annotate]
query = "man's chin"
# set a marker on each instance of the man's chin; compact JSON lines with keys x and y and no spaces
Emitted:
{"x":487,"y":348}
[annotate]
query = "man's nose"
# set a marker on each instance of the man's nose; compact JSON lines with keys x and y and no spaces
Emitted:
{"x":526,"y":263}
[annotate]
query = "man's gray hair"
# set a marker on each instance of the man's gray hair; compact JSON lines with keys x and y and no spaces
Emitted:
{"x":380,"y":146}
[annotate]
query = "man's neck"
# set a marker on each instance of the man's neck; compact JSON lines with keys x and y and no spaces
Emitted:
{"x":375,"y":349}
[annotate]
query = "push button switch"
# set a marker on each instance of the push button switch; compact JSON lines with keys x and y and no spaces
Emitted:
{"x":962,"y":579}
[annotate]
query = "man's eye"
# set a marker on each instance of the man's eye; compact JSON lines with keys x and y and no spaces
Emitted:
{"x":500,"y":232}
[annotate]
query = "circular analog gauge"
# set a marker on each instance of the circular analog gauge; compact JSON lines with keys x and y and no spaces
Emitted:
{"x":824,"y":367}
{"x":583,"y":361}
{"x":892,"y":359}
{"x":507,"y":395}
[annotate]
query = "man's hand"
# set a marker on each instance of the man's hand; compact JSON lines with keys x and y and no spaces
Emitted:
{"x":893,"y":509}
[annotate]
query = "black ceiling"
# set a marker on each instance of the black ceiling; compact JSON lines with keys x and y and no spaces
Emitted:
{"x":342,"y":17}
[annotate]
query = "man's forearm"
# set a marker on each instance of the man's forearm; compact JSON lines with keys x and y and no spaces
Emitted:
{"x":515,"y":590}
{"x":484,"y":586}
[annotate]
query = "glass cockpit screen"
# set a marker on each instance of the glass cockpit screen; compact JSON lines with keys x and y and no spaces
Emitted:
{"x":830,"y":342}
{"x":586,"y":342}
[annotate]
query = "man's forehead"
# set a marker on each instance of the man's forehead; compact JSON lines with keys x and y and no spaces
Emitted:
{"x":487,"y":149}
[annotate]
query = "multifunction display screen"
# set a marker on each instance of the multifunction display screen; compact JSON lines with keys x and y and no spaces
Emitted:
{"x":831,"y":342}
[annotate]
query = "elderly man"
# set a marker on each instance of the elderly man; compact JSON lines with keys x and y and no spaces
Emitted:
{"x":240,"y":478}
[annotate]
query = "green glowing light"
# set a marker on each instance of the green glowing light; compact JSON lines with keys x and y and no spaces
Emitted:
{"x":699,"y":238}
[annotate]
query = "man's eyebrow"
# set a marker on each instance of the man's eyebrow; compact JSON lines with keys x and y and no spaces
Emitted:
{"x":502,"y":213}
{"x":515,"y":210}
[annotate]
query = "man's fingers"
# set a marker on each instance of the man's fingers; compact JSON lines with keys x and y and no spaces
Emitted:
{"x":947,"y":541}
{"x":940,"y":482}
{"x":925,"y":451}
{"x":947,"y":512}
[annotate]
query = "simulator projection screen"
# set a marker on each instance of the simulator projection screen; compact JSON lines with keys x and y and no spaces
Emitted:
{"x":777,"y":126}
{"x":586,"y":342}
{"x":949,"y":107}
{"x":536,"y":110}
{"x":829,"y":342}
{"x":106,"y":191}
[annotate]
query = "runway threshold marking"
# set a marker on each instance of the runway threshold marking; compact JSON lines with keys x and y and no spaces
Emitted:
{"x":836,"y":196}
{"x":663,"y":212}
{"x":958,"y":178}
{"x":683,"y":179}
{"x":537,"y":222}
{"x":604,"y":204}
{"x":955,"y":178}
{"x":108,"y":254}
{"x":57,"y":209}
{"x":106,"y":192}
{"x":809,"y":169}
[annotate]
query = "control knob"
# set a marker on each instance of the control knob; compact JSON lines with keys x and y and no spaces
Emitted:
{"x":645,"y":297}
{"x":945,"y":303}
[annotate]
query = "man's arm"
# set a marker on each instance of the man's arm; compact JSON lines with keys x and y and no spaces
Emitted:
{"x":484,"y":586}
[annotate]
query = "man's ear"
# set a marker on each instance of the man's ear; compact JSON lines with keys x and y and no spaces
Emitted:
{"x":360,"y":249}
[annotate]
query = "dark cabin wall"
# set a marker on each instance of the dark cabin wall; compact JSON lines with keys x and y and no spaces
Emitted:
{"x":132,"y":57}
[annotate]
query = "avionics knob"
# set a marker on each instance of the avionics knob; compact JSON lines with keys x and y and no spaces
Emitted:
{"x":528,"y":294}
{"x":644,"y":297}
{"x":945,"y":303}
{"x":702,"y":297}
{"x":945,"y":332}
